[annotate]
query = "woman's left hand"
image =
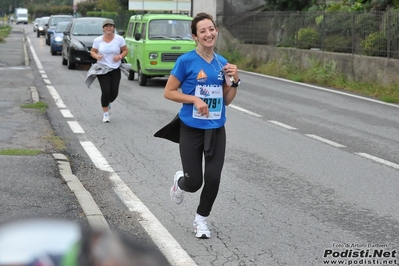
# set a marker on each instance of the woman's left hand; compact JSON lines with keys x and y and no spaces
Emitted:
{"x":231,"y":70}
{"x":117,"y":58}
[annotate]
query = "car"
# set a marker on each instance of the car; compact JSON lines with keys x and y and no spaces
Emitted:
{"x":78,"y":39}
{"x":35,"y":23}
{"x":157,"y":41}
{"x":41,"y":26}
{"x":56,"y":37}
{"x":52,"y":23}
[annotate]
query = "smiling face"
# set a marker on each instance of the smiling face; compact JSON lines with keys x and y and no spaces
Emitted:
{"x":206,"y":33}
{"x":108,"y":28}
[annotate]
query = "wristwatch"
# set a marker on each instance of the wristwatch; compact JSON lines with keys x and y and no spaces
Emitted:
{"x":236,"y":84}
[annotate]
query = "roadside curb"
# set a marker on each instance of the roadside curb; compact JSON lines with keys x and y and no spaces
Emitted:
{"x":26,"y":57}
{"x":92,"y":211}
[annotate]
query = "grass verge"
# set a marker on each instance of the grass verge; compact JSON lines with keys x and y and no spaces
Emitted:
{"x":41,"y":106}
{"x":20,"y":152}
{"x":4,"y":32}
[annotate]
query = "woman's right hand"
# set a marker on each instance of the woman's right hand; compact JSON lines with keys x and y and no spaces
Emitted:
{"x":202,"y":107}
{"x":99,"y":57}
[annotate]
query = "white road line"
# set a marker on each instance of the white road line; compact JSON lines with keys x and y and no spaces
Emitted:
{"x":282,"y":125}
{"x":332,"y":143}
{"x":378,"y":160}
{"x":158,"y":233}
{"x":66,"y":113}
{"x":38,"y":63}
{"x":244,"y":110}
{"x":56,"y":97}
{"x":75,"y":127}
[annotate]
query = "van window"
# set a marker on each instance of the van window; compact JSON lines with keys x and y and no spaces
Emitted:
{"x":130,"y":29}
{"x":136,"y":28}
{"x":167,"y":28}
{"x":144,"y":31}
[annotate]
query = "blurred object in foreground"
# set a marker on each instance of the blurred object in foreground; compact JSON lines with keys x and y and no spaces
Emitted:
{"x":46,"y":242}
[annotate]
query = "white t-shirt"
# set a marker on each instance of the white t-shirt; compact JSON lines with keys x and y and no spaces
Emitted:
{"x":109,"y":50}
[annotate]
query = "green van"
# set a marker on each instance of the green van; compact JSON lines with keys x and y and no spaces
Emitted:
{"x":155,"y":41}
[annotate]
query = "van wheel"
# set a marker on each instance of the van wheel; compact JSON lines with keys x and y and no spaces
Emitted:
{"x":131,"y":75}
{"x":142,"y":77}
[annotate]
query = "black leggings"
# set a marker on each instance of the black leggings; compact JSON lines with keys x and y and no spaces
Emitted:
{"x":109,"y":84}
{"x":191,"y":146}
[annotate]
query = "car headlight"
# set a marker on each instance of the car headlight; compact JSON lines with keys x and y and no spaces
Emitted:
{"x":153,"y":56}
{"x":58,"y":39}
{"x":40,"y":28}
{"x":77,"y":45}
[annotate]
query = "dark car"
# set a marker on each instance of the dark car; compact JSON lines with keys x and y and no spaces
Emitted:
{"x":52,"y":23}
{"x":56,"y":37}
{"x":78,"y":39}
{"x":41,"y":26}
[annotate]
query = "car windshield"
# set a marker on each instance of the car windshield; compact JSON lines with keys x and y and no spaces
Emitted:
{"x":55,"y":20}
{"x":169,"y":29}
{"x":88,"y":28}
{"x":61,"y":26}
{"x":43,"y":21}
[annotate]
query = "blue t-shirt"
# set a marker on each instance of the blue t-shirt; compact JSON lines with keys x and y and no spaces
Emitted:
{"x":204,"y":80}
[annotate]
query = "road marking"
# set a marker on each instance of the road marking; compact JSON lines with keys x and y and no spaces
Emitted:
{"x":282,"y":125}
{"x":244,"y":110}
{"x":332,"y":143}
{"x":66,"y":113}
{"x":56,"y":97}
{"x":172,"y":250}
{"x":378,"y":160}
{"x":75,"y":127}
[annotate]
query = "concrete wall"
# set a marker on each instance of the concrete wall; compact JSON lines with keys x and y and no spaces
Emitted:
{"x":361,"y":68}
{"x":208,"y":6}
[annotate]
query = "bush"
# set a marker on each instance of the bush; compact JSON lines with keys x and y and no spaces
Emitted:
{"x":308,"y":38}
{"x":337,"y":43}
{"x":375,"y":44}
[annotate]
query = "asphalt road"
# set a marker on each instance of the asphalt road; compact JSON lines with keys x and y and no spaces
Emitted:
{"x":310,"y":173}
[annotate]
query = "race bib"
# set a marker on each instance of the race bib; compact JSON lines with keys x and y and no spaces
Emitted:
{"x":213,"y":96}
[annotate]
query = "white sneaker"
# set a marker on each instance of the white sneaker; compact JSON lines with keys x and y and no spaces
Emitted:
{"x":201,"y":229}
{"x":106,"y":118}
{"x":176,"y":194}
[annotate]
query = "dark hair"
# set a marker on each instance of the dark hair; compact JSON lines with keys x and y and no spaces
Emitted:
{"x":198,"y":18}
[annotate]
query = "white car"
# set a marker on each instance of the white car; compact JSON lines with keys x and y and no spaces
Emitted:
{"x":35,"y":24}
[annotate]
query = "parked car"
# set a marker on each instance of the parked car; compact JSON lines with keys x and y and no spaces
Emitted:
{"x":41,"y":26}
{"x":52,"y":23}
{"x":78,"y":39}
{"x":35,"y":24}
{"x":56,"y":37}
